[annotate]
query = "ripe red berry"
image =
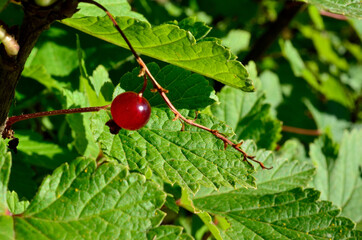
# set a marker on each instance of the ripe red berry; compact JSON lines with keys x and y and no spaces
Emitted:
{"x":130,"y":111}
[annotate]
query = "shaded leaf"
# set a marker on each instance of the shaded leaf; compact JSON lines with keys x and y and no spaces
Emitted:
{"x":52,"y":54}
{"x":36,"y":151}
{"x":185,"y":90}
{"x":5,"y":165}
{"x":3,"y":4}
{"x":101,"y":83}
{"x":80,"y":124}
{"x":40,"y":74}
{"x":327,"y":122}
{"x":168,"y":232}
{"x":6,"y":221}
{"x":248,"y":115}
{"x":198,"y":29}
{"x":324,"y":83}
{"x":271,"y":87}
{"x":339,"y":172}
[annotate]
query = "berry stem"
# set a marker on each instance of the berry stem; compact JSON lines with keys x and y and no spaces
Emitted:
{"x":7,"y":131}
{"x":145,"y":71}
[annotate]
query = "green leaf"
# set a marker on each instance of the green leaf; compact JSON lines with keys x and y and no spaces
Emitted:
{"x":270,"y":84}
{"x":58,"y":58}
{"x":168,"y":232}
{"x":91,"y":85}
{"x":116,"y":7}
{"x":338,"y":172}
{"x":6,"y":227}
{"x":294,"y":58}
{"x":185,"y":90}
{"x":293,"y":214}
{"x":22,"y":179}
{"x":40,"y":74}
{"x":237,"y":40}
{"x":279,"y":208}
{"x":36,"y":151}
{"x":287,"y":173}
{"x":6,"y":222}
{"x":186,"y":202}
{"x":80,"y":124}
{"x":101,"y":83}
{"x":324,"y":47}
{"x":15,"y":205}
{"x":83,"y":201}
{"x":198,"y":29}
{"x":3,"y":4}
{"x":171,"y":44}
{"x":292,"y":150}
{"x":5,"y":165}
{"x":351,"y":8}
{"x":248,"y":115}
{"x":324,"y":83}
{"x":190,"y":158}
{"x":327,"y":122}
{"x":282,"y":180}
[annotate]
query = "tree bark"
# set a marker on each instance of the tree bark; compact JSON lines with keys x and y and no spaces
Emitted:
{"x":36,"y":20}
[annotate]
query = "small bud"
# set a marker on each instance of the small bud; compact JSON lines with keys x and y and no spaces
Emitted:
{"x":10,"y":44}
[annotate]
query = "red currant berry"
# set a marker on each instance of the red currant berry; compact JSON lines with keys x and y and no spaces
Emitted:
{"x":130,"y":111}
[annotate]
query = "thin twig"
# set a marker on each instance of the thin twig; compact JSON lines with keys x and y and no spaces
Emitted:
{"x":162,"y":92}
{"x":309,"y":132}
{"x":7,"y":133}
{"x":333,"y":15}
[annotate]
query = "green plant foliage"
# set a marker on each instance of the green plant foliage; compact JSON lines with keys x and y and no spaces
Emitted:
{"x":78,"y":190}
{"x":122,"y":9}
{"x":296,"y":108}
{"x":248,"y":115}
{"x":6,"y":221}
{"x":5,"y":163}
{"x":165,"y":232}
{"x":41,"y":153}
{"x":290,"y":208}
{"x":80,"y":125}
{"x":15,"y":205}
{"x":189,"y":158}
{"x":278,"y":216}
{"x":351,"y":8}
{"x":339,"y":172}
{"x":328,"y":123}
{"x":326,"y":84}
{"x":3,"y":4}
{"x":171,"y":44}
{"x":185,"y":90}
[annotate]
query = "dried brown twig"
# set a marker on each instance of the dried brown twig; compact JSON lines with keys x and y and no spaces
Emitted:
{"x":145,"y":72}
